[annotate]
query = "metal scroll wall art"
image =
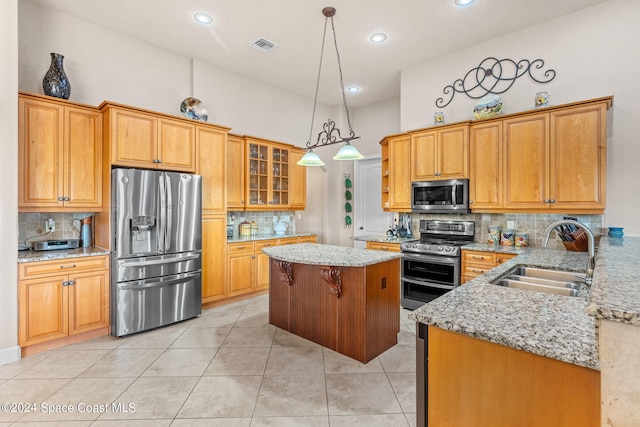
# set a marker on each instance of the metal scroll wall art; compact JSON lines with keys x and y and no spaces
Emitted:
{"x":495,"y":76}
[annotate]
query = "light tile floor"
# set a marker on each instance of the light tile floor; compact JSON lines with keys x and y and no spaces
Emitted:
{"x":227,"y":367}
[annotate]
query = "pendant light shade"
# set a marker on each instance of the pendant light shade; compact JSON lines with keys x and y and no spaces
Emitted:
{"x":310,"y":159}
{"x":348,"y":152}
{"x":330,"y":133}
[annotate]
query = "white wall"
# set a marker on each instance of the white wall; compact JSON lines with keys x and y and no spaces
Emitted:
{"x":9,"y":350}
{"x":594,"y":52}
{"x":110,"y":66}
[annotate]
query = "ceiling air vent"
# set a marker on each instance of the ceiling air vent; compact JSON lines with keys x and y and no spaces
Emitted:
{"x":263,"y":45}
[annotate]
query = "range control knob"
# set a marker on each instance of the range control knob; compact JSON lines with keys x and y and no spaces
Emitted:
{"x":440,"y":248}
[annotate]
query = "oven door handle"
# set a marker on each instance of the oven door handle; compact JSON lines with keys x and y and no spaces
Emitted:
{"x":429,"y":284}
{"x":429,"y":258}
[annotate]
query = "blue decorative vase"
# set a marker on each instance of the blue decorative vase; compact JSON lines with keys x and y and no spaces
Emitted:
{"x":55,"y":82}
{"x":616,"y":232}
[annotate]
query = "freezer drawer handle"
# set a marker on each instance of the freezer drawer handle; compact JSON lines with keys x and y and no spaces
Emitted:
{"x":159,"y":261}
{"x":155,"y":284}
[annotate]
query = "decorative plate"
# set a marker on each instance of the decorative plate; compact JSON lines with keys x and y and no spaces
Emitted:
{"x":489,"y":106}
{"x":193,"y":108}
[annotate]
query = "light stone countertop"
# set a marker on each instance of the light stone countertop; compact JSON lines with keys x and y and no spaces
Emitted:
{"x":256,"y":237}
{"x":553,"y":326}
{"x":500,"y":249}
{"x":336,"y":256}
{"x":35,"y":256}
{"x":382,"y":238}
{"x":615,"y":293}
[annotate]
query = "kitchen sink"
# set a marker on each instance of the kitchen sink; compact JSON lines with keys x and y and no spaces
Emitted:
{"x":543,"y":280}
{"x":545,"y":273}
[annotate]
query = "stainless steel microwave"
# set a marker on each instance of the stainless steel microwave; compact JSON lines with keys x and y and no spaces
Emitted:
{"x":450,"y":196}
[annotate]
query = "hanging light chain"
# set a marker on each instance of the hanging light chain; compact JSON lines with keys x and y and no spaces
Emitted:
{"x":315,"y":98}
{"x":344,"y":97}
{"x":327,"y":137}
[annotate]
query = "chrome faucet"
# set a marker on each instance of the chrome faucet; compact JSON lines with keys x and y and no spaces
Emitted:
{"x":591,"y":262}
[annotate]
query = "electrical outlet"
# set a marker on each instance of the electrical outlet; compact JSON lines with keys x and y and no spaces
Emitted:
{"x":50,"y":225}
{"x":284,"y":218}
{"x":511,"y":225}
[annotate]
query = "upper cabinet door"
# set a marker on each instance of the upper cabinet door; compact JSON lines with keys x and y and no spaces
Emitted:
{"x":60,"y":156}
{"x":176,"y":145}
{"x":578,"y":157}
{"x":399,"y":174}
{"x":235,"y":173}
{"x":526,"y":162}
{"x":424,"y":153}
{"x":83,"y":158}
{"x":298,"y":181}
{"x":453,"y":152}
{"x":133,"y":138}
{"x":212,"y":153}
{"x":485,"y":170}
{"x":40,"y":154}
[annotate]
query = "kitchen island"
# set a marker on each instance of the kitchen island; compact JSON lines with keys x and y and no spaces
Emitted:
{"x":509,"y":356}
{"x":345,"y":299}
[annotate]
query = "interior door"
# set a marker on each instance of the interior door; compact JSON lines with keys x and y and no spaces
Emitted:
{"x":369,"y":218}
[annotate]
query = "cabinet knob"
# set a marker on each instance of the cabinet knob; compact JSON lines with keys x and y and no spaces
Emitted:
{"x":60,"y":198}
{"x":470,"y":202}
{"x":552,"y":201}
{"x":68,"y":282}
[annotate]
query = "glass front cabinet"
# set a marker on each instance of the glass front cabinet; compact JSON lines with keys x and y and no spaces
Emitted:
{"x":267,"y":175}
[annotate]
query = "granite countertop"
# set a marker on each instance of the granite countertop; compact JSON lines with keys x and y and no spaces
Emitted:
{"x":615,"y":293}
{"x":337,"y":256}
{"x":500,"y":249}
{"x":382,"y":238}
{"x":34,"y":256}
{"x":254,"y":237}
{"x":553,"y":326}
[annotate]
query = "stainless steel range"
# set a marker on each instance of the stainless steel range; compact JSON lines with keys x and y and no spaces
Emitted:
{"x":431,"y":265}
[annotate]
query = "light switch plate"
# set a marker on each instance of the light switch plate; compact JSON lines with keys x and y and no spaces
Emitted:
{"x":511,"y":224}
{"x":285,"y":218}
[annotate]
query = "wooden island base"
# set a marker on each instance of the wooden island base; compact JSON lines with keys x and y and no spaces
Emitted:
{"x":352,"y":310}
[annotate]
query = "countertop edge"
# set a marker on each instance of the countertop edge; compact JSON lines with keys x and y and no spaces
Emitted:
{"x":335,"y":256}
{"x":36,"y":256}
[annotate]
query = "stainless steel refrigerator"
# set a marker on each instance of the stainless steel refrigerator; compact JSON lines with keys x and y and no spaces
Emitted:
{"x":156,"y":276}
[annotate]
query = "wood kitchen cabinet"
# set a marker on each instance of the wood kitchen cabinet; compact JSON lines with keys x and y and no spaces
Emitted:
{"x":267,"y":174}
{"x":485,"y":166}
{"x":298,"y":181}
{"x":235,"y":172}
{"x":211,"y":148}
{"x":470,"y":379}
{"x":396,"y":173}
{"x":440,"y":153}
{"x":214,"y":258}
{"x":384,"y":246}
{"x":248,"y":266}
{"x":60,"y":299}
{"x":475,"y":263}
{"x":143,"y":139}
{"x":546,"y":161}
{"x":241,"y":268}
{"x":59,"y":155}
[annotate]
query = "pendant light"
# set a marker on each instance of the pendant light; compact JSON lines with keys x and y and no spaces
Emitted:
{"x":330,"y":133}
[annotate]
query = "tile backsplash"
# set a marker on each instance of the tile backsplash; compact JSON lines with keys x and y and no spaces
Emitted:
{"x":31,"y":226}
{"x":532,"y":224}
{"x":265,"y":220}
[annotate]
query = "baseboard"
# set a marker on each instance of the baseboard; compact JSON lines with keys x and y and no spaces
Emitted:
{"x":9,"y":354}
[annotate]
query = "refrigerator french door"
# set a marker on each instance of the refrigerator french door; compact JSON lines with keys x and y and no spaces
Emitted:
{"x":156,"y":276}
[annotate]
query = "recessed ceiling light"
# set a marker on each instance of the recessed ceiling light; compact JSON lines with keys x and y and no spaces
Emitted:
{"x":464,"y":3}
{"x":203,"y":18}
{"x":353,"y":89}
{"x":378,"y":37}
